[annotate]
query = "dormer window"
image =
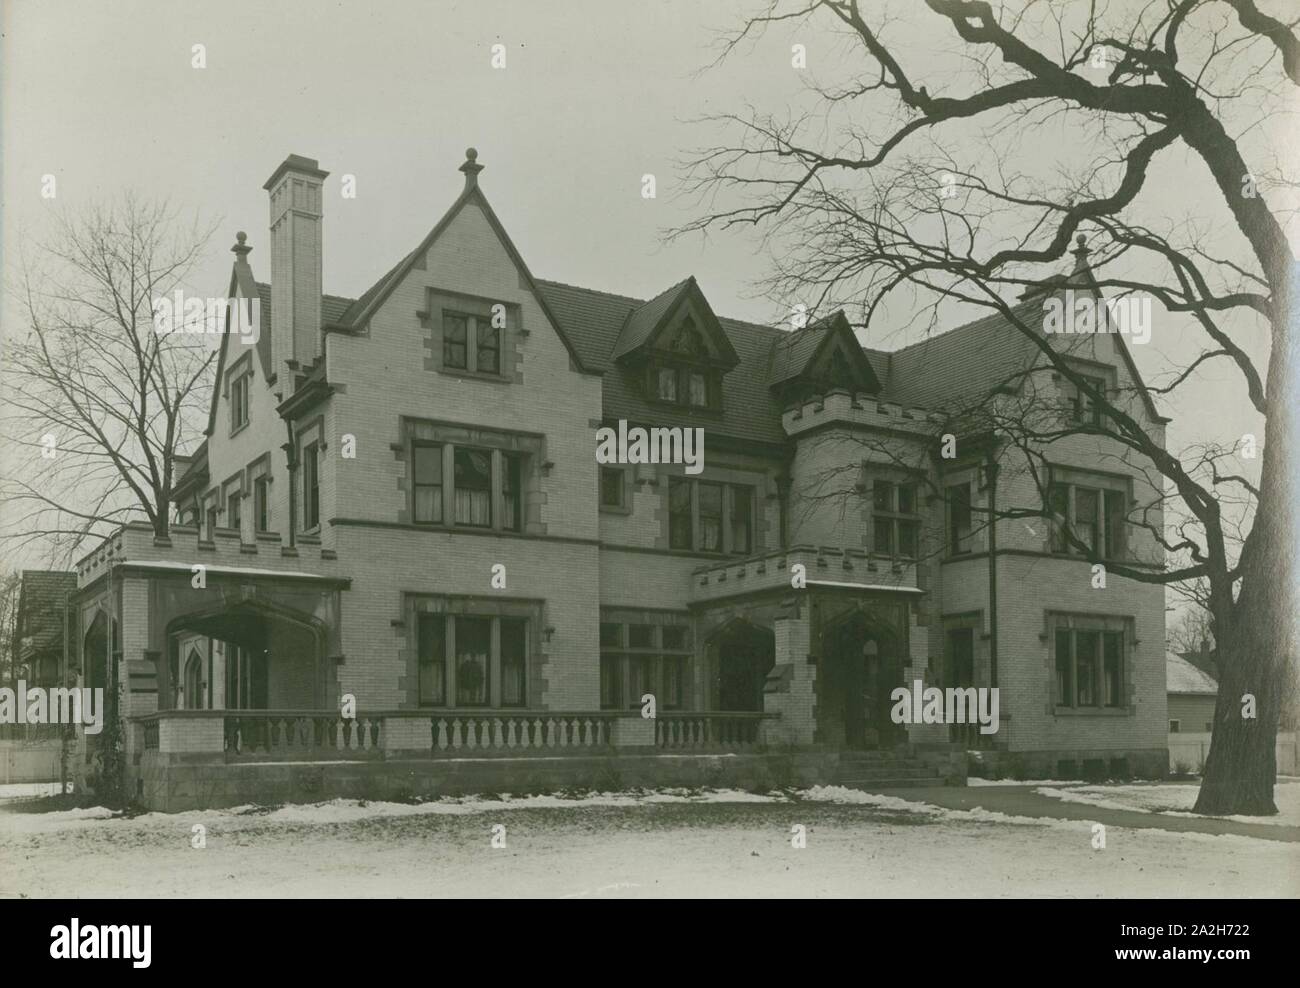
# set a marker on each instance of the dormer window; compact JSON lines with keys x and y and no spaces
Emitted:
{"x":667,"y":384}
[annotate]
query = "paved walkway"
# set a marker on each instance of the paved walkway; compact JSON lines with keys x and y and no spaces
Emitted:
{"x":1024,"y":801}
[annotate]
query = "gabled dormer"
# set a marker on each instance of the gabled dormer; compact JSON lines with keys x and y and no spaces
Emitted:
{"x":677,"y":349}
{"x":823,"y":356}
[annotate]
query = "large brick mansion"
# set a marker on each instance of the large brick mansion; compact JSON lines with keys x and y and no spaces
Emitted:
{"x":398,"y":500}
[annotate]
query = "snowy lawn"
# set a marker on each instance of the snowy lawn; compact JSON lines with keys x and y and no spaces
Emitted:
{"x":1176,"y":800}
{"x":670,"y":843}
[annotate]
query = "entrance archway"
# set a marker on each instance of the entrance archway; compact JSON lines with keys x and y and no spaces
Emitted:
{"x":745,"y":654}
{"x":266,"y":657}
{"x":863,"y":665}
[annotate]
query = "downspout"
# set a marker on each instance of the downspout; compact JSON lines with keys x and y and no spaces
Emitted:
{"x":291,"y":458}
{"x":992,"y":472}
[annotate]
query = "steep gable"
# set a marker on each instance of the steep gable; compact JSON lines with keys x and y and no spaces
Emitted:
{"x":359,"y":312}
{"x":657,"y":326}
{"x":824,"y":353}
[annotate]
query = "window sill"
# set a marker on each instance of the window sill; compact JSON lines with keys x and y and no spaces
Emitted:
{"x":681,"y":406}
{"x":1092,"y":712}
{"x":615,"y":509}
{"x":237,"y":430}
{"x":474,"y":375}
{"x":438,"y":526}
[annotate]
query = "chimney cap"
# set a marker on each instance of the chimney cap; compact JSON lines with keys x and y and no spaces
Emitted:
{"x":471,"y":167}
{"x":241,"y":249}
{"x":298,"y":164}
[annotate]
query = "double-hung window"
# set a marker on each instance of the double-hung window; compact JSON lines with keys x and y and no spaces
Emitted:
{"x":262,"y":504}
{"x":1087,"y":409}
{"x":895,"y":523}
{"x":239,"y":402}
{"x":311,"y":486}
{"x":1088,"y":521}
{"x":427,"y":464}
{"x":707,"y":516}
{"x":639,"y":658}
{"x":460,"y":656}
{"x":471,"y":343}
{"x":959,"y":519}
{"x":466,"y":486}
{"x":473,"y":482}
{"x":1089,"y":667}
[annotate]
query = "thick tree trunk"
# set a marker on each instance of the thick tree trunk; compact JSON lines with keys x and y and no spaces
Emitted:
{"x":1241,"y":767}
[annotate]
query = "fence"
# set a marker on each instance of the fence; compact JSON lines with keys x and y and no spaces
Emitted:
{"x":1188,"y":751}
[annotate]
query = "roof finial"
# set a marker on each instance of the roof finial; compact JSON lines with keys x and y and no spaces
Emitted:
{"x":471,"y":168}
{"x":1081,"y":253}
{"x":241,"y":249}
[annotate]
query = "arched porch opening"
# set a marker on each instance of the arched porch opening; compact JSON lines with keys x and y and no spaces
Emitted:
{"x":258,"y":656}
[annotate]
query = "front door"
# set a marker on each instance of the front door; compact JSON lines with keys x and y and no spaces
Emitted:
{"x":868,"y":681}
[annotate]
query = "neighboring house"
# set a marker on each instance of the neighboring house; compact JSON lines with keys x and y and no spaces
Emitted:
{"x":398,"y":500}
{"x":39,"y":626}
{"x":1192,"y":695}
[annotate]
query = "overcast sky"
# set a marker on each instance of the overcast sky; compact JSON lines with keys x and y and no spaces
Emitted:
{"x":595,"y":94}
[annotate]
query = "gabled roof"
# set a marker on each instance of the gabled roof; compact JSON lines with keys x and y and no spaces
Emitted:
{"x":38,"y":624}
{"x":1183,"y":677}
{"x":797,"y":353}
{"x":647,"y":322}
{"x":358,"y":312}
{"x":594,"y":321}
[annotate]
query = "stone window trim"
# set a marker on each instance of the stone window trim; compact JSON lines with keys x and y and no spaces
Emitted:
{"x":259,"y":469}
{"x":440,"y":303}
{"x":529,"y":447}
{"x":1125,"y":625}
{"x":311,"y":435}
{"x":240,"y":370}
{"x":530,"y":610}
{"x":624,"y":506}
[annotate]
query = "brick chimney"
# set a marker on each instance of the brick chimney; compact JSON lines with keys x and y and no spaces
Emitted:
{"x":295,"y":196}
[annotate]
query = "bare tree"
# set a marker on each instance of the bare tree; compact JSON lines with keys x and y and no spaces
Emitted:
{"x":10,"y":587}
{"x":857,"y":214}
{"x":1193,"y":631}
{"x":97,"y":401}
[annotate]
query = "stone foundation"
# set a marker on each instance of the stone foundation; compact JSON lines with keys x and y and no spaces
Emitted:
{"x":1092,"y":765}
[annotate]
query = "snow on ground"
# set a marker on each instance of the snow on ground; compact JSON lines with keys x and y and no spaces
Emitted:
{"x":665,"y":843}
{"x":975,"y":783}
{"x":1175,"y":800}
